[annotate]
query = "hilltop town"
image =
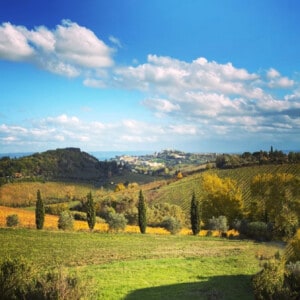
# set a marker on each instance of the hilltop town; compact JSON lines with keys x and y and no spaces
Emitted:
{"x":163,"y":162}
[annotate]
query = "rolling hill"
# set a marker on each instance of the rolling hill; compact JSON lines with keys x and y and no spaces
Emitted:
{"x":69,"y":164}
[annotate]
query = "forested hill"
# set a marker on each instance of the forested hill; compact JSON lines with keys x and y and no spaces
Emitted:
{"x":69,"y":164}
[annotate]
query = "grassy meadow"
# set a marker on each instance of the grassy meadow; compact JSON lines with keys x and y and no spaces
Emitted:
{"x":150,"y":266}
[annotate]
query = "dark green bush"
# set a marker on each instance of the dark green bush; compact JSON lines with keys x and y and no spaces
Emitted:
{"x":259,"y":231}
{"x":12,"y":220}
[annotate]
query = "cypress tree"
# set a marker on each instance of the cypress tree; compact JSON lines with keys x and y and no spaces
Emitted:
{"x":90,"y":211}
{"x":195,"y":215}
{"x":39,"y":211}
{"x":142,"y":213}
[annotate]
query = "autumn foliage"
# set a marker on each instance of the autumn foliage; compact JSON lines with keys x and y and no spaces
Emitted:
{"x":222,"y":197}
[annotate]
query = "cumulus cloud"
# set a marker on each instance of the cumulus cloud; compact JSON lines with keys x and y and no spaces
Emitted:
{"x":272,"y":73}
{"x":14,"y":44}
{"x":278,"y":81}
{"x":65,"y":50}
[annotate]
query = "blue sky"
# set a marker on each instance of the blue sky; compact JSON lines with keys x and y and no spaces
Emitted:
{"x":217,"y":76}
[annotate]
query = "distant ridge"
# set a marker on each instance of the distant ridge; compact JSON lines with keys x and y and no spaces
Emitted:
{"x":15,"y":154}
{"x":68,"y":164}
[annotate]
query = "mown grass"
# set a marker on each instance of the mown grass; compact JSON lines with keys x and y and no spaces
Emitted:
{"x":136,"y":266}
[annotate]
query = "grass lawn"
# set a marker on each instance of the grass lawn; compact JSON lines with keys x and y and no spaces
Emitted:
{"x":136,"y":266}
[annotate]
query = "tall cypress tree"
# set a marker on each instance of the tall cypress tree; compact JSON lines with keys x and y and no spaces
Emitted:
{"x":195,"y":215}
{"x":39,"y":211}
{"x":90,"y":211}
{"x":142,"y":213}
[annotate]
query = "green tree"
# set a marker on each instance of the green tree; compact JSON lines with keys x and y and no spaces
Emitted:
{"x":142,"y":218}
{"x":90,"y":211}
{"x":195,"y":215}
{"x":39,"y":211}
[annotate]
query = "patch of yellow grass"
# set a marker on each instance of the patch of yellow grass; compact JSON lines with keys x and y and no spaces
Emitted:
{"x":27,"y":219}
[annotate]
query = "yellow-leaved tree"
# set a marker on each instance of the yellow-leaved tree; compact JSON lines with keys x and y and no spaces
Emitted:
{"x":276,"y":200}
{"x":222,"y":197}
{"x":292,"y":251}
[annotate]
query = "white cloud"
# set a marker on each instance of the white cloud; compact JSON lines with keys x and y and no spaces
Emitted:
{"x":60,"y":68}
{"x":169,"y":76}
{"x":41,"y":38}
{"x":14,"y":44}
{"x":183,"y":129}
{"x":281,"y":82}
{"x":65,"y":50}
{"x":278,"y":81}
{"x":80,"y":46}
{"x":272,"y":73}
{"x":161,"y":105}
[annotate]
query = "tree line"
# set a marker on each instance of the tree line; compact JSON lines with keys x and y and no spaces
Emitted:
{"x":228,"y":161}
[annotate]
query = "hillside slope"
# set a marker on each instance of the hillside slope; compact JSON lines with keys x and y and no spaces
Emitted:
{"x":69,"y":164}
{"x":179,"y":192}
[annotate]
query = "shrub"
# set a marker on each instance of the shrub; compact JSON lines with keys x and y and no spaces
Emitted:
{"x":56,"y":209}
{"x":12,"y":220}
{"x":159,"y":211}
{"x":56,"y":284}
{"x":259,"y":231}
{"x":219,"y":224}
{"x":269,"y":283}
{"x":172,"y":225}
{"x":293,"y":248}
{"x":19,"y":281}
{"x":293,"y":277}
{"x":15,"y":278}
{"x":116,"y":222}
{"x":79,"y":215}
{"x":66,"y":221}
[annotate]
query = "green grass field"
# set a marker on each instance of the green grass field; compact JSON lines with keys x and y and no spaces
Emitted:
{"x":135,"y":266}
